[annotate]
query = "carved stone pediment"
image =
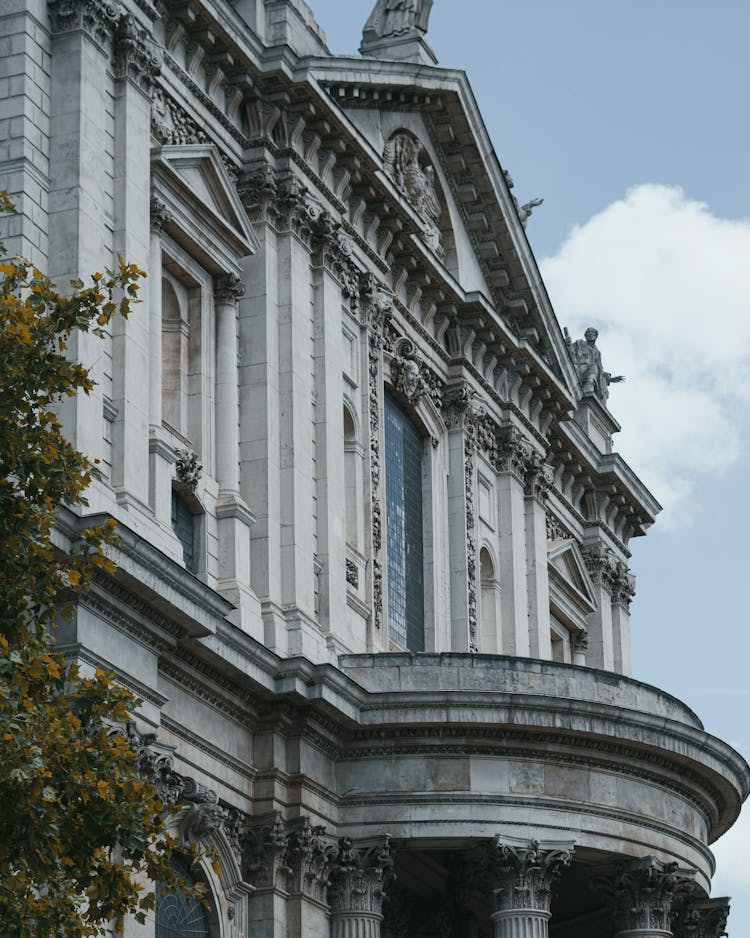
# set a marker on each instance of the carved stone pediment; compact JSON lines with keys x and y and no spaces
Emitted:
{"x":207,"y":215}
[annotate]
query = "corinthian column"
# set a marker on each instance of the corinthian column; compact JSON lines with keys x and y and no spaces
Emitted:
{"x":701,"y":918}
{"x":641,"y":894}
{"x":357,"y":889}
{"x":522,"y":878}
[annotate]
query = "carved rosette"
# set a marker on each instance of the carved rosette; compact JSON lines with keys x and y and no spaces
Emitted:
{"x":376,"y":305}
{"x":701,"y":918}
{"x":97,"y":18}
{"x":523,"y":877}
{"x":359,"y":876}
{"x":641,"y":894}
{"x":464,"y":410}
{"x":137,"y":57}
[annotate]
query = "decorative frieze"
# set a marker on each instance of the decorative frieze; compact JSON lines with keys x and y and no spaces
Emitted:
{"x":359,"y":876}
{"x":701,"y":918}
{"x":523,"y":877}
{"x":641,"y":894}
{"x":137,"y":57}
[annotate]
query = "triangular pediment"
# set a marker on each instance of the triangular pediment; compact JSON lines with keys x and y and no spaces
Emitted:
{"x":203,"y":201}
{"x":493,"y":260}
{"x":568,"y":574}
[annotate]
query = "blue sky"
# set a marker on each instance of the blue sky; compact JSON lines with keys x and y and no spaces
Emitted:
{"x":630,"y":118}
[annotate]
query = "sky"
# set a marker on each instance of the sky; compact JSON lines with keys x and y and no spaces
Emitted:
{"x":630,"y":119}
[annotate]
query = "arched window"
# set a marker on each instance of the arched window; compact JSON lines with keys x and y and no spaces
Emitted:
{"x":488,"y":605}
{"x":350,"y":479}
{"x":405,"y":555}
{"x":179,"y":917}
{"x":174,"y":346}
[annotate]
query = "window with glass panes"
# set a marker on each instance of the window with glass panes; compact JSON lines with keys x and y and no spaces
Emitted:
{"x":177,"y":916}
{"x":183,"y":525}
{"x":403,"y":484}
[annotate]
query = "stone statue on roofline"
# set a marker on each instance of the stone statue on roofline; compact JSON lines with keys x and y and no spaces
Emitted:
{"x":397,"y":18}
{"x":588,"y":363}
{"x":396,"y":29}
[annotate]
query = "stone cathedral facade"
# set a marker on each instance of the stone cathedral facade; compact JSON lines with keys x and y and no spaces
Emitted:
{"x":372,"y":582}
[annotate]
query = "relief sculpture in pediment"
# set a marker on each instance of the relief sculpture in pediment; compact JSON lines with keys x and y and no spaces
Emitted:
{"x":407,"y":164}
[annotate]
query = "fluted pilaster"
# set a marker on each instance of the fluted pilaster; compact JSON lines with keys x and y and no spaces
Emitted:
{"x":521,"y":924}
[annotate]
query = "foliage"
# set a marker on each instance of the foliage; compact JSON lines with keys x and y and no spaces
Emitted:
{"x":80,"y":831}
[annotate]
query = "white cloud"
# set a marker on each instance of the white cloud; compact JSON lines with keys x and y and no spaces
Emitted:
{"x":732,"y":869}
{"x":668,"y":286}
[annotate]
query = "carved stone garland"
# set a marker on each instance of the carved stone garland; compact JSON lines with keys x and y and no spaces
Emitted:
{"x":463,"y":409}
{"x":376,"y":307}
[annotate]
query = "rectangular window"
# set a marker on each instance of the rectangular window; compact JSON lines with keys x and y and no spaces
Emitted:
{"x":183,"y":525}
{"x":403,"y":475}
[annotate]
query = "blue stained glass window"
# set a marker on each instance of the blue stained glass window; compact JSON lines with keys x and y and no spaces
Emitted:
{"x":176,"y":916}
{"x":403,"y":484}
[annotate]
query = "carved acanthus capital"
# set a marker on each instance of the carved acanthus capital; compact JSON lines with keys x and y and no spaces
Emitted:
{"x":539,"y":478}
{"x":515,"y":453}
{"x":607,"y":571}
{"x":160,"y":215}
{"x":580,"y":642}
{"x":311,"y":854}
{"x":137,"y":57}
{"x":229,"y":288}
{"x":296,"y":210}
{"x":463,"y":408}
{"x":701,"y":918}
{"x":641,"y":893}
{"x":523,"y":877}
{"x":99,"y":19}
{"x":258,"y":191}
{"x":188,"y":468}
{"x":265,"y":855}
{"x":622,"y":585}
{"x":359,"y":876}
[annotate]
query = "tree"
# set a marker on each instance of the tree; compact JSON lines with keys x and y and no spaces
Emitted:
{"x":80,"y":830}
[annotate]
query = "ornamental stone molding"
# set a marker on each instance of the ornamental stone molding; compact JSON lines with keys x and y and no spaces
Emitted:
{"x":701,"y":918}
{"x":188,"y":469}
{"x":138,"y":59}
{"x":523,"y":876}
{"x":641,"y":894}
{"x":204,"y":815}
{"x":359,"y":875}
{"x":265,"y":855}
{"x":170,"y":123}
{"x":335,"y":251}
{"x":99,"y":19}
{"x":607,"y":571}
{"x":411,"y":376}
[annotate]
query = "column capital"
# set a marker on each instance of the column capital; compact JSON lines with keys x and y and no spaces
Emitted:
{"x":138,"y":58}
{"x":160,"y":214}
{"x":359,"y":876}
{"x":229,"y":288}
{"x":97,"y":18}
{"x":523,"y":876}
{"x":641,"y":893}
{"x":701,"y":918}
